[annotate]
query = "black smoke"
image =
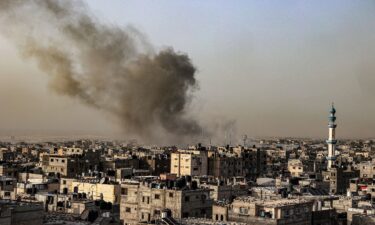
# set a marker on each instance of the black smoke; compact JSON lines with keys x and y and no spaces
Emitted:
{"x":105,"y":66}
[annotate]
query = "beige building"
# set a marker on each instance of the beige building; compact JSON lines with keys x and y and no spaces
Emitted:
{"x":295,"y":167}
{"x":143,"y":202}
{"x":7,"y":188}
{"x":97,"y":191}
{"x":189,"y":162}
{"x":70,"y":151}
{"x":65,"y":203}
{"x":367,"y":169}
{"x":339,"y":179}
{"x":254,"y":211}
{"x":57,"y":164}
{"x":69,"y":165}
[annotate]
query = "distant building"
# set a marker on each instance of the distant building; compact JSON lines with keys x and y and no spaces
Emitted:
{"x":236,"y":162}
{"x":142,"y":202}
{"x":69,"y":165}
{"x":339,"y":179}
{"x":295,"y":167}
{"x":189,"y":162}
{"x":96,"y":190}
{"x":366,"y":169}
{"x":248,"y":210}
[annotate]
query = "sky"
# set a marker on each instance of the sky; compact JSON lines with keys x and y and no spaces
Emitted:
{"x":270,"y":67}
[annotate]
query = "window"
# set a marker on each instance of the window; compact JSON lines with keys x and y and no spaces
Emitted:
{"x":157,"y":196}
{"x":124,"y":191}
{"x":243,"y":210}
{"x":187,"y":198}
{"x":170,"y":194}
{"x":64,"y":181}
{"x":127,"y":209}
{"x":63,"y":160}
{"x":157,"y":212}
{"x":51,"y":160}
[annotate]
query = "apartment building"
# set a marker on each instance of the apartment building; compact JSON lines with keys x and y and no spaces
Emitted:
{"x":142,"y":202}
{"x":97,"y":190}
{"x":69,"y":165}
{"x":339,"y":179}
{"x":249,"y":210}
{"x":236,"y":162}
{"x":295,"y":167}
{"x":189,"y":162}
{"x":366,"y":169}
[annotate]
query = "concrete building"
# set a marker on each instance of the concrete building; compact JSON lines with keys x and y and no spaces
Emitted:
{"x":223,"y":190}
{"x":71,"y":204}
{"x":339,"y":179}
{"x":7,"y":188}
{"x":366,"y":169}
{"x":189,"y":162}
{"x":295,"y":167}
{"x":142,"y":202}
{"x":252,"y":211}
{"x":157,"y":164}
{"x":20,"y":213}
{"x":9,"y":170}
{"x":97,"y":190}
{"x":70,"y":165}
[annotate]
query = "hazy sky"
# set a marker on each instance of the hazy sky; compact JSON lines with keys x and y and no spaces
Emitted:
{"x":272,"y":66}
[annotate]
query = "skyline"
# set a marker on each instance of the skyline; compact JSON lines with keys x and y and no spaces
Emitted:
{"x":289,"y":62}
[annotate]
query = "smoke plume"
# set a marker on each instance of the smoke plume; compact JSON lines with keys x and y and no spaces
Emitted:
{"x":105,"y":66}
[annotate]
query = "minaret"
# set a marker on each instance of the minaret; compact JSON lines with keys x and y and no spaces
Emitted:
{"x":331,"y":138}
